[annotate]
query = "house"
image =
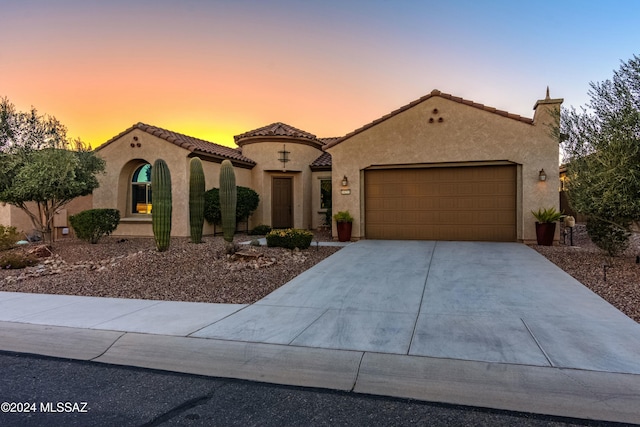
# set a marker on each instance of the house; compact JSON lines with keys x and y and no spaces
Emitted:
{"x":441,"y":167}
{"x":277,"y":161}
{"x":446,"y":168}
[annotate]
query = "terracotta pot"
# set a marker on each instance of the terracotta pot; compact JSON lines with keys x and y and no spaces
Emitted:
{"x":545,"y":232}
{"x":344,"y":231}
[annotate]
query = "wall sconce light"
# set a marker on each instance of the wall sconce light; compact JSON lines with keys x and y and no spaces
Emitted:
{"x":284,"y":157}
{"x":345,"y":181}
{"x":542,"y":176}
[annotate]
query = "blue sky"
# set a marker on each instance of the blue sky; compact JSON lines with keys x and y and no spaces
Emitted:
{"x":217,"y":68}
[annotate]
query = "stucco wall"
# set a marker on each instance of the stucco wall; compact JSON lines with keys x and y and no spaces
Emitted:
{"x":11,"y":216}
{"x":265,"y":154}
{"x":465,"y":134}
{"x":122,"y":159}
{"x":15,"y":217}
{"x":5,"y":214}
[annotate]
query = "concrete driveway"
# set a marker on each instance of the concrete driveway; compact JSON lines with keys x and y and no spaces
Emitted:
{"x":492,"y":302}
{"x":473,"y":323}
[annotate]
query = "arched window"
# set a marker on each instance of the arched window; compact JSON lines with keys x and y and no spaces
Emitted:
{"x":141,"y":190}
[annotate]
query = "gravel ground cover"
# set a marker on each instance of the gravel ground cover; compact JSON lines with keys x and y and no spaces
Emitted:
{"x":617,"y":280}
{"x":132,"y":268}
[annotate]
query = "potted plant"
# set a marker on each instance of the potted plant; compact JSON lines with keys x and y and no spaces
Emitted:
{"x":344,"y":221}
{"x":546,"y":225}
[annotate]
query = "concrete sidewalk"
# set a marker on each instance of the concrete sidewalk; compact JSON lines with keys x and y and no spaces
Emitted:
{"x":482,"y":324}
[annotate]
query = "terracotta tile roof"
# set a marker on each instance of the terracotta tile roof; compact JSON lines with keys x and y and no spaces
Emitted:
{"x":195,"y":145}
{"x":322,"y":163}
{"x":276,"y":130}
{"x":433,"y":93}
{"x":329,"y":140}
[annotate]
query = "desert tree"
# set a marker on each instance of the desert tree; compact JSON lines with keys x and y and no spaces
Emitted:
{"x":41,"y":169}
{"x":601,"y":148}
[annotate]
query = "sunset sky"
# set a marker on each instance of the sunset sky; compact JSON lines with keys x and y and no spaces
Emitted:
{"x":214,"y":69}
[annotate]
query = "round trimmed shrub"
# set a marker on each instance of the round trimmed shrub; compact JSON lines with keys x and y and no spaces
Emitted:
{"x":92,"y":224}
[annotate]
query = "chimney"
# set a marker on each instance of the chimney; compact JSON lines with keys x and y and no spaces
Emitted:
{"x":547,"y":110}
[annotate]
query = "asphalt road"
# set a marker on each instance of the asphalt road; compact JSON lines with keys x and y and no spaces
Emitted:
{"x":75,"y":393}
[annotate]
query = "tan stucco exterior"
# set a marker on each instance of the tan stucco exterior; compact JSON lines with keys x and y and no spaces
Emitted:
{"x":268,"y":166}
{"x":15,"y":217}
{"x":125,"y":154}
{"x":435,"y":130}
{"x":458,"y":134}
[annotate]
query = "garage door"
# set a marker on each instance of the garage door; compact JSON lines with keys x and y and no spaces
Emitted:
{"x":441,"y":203}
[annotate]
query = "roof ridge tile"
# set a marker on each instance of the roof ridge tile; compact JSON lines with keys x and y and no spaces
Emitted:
{"x":277,"y":129}
{"x":187,"y":142}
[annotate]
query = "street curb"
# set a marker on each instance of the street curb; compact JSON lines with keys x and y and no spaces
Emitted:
{"x":561,"y":392}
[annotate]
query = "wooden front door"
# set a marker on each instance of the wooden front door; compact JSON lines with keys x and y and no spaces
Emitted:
{"x":282,"y":203}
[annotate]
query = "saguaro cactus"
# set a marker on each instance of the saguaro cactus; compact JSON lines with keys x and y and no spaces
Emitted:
{"x":196,"y":199}
{"x":161,"y":212}
{"x":228,"y":200}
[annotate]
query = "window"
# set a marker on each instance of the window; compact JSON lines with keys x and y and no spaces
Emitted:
{"x":141,"y":190}
{"x":325,"y":193}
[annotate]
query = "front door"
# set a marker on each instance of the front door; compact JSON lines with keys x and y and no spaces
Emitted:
{"x":281,"y":208}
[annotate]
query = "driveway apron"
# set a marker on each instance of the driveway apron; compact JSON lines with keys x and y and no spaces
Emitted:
{"x":482,"y":301}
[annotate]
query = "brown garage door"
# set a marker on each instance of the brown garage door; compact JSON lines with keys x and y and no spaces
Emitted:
{"x":443,"y":203}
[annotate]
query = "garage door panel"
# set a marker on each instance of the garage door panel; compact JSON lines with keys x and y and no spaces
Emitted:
{"x":458,"y":203}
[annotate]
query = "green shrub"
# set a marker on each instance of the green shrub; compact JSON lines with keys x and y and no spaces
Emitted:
{"x":608,"y":237}
{"x":246,"y":203}
{"x":212,"y":206}
{"x":92,"y":224}
{"x":15,"y":260}
{"x":8,"y":237}
{"x":343,"y":216}
{"x":259,"y":230}
{"x":289,"y":238}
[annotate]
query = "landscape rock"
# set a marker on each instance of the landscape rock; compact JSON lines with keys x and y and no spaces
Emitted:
{"x":185,"y":272}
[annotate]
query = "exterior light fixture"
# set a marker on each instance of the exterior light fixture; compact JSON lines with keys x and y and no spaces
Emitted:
{"x":345,"y":181}
{"x":542,"y":175}
{"x":284,"y":157}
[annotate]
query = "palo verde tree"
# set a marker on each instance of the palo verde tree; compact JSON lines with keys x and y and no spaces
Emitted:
{"x":41,"y":169}
{"x":601,"y":146}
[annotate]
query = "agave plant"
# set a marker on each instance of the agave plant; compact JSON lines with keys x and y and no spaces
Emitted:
{"x":546,"y":216}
